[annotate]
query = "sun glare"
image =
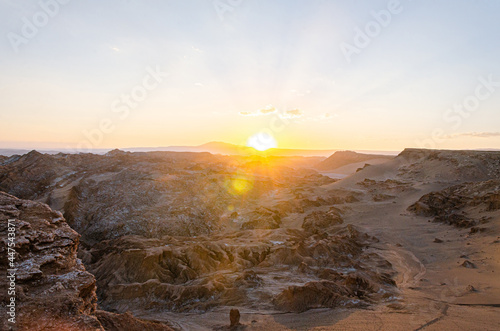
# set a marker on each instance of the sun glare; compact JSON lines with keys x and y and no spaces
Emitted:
{"x":262,"y":141}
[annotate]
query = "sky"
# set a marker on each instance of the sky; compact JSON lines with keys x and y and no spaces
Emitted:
{"x":314,"y":74}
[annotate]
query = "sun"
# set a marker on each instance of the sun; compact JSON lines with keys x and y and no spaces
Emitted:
{"x":262,"y":141}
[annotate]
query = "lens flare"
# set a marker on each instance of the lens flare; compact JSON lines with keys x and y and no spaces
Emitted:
{"x":239,"y":185}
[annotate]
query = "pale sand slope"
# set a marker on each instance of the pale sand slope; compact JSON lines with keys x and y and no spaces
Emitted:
{"x":433,"y":284}
{"x":353,"y":167}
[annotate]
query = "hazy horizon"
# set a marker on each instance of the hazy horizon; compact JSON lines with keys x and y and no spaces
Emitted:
{"x":212,"y":145}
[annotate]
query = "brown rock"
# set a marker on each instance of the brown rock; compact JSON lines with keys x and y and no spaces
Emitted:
{"x":234,"y":317}
{"x":58,"y":292}
{"x":53,"y":289}
{"x":126,"y":321}
{"x":319,"y":220}
{"x":470,"y":288}
{"x":468,"y":264}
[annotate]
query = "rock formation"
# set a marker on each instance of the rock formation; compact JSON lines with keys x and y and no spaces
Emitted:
{"x":52,"y":286}
{"x":458,"y":205}
{"x":53,"y":290}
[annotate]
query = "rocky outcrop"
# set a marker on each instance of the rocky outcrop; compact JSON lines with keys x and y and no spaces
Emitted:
{"x":28,"y":176}
{"x":154,"y":194}
{"x":319,"y":221}
{"x":454,"y":205}
{"x":187,"y":232}
{"x":244,"y":268}
{"x":52,"y":288}
{"x":127,"y":322}
{"x":262,"y":218}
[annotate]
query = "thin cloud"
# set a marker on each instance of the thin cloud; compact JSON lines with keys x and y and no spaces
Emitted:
{"x":287,"y":114}
{"x":267,"y":110}
{"x":474,"y":135}
{"x":261,"y":112}
{"x":292,"y":113}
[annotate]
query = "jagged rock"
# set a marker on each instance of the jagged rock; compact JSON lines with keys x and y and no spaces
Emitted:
{"x":157,"y":193}
{"x":53,"y":289}
{"x":204,"y":272}
{"x":470,"y":288}
{"x":312,"y":295}
{"x":318,"y":221}
{"x":56,"y":290}
{"x":234,"y":317}
{"x":262,"y":218}
{"x":468,"y":264}
{"x":127,"y":322}
{"x":189,"y":231}
{"x":450,"y":205}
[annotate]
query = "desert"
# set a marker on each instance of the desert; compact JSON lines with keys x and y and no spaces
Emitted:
{"x":242,"y":165}
{"x":408,"y":243}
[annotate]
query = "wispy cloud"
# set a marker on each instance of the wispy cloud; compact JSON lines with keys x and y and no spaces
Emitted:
{"x":292,"y":113}
{"x":287,"y":114}
{"x":269,"y":109}
{"x":474,"y":135}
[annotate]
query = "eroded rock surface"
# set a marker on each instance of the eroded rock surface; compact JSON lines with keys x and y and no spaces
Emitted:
{"x":159,"y":193}
{"x":188,"y":232}
{"x":258,"y":269}
{"x":458,"y":205}
{"x":53,"y":289}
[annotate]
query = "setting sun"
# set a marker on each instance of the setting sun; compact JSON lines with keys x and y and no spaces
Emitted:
{"x":262,"y":141}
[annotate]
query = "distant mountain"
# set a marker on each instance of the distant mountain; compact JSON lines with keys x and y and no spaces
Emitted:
{"x":343,"y":158}
{"x":15,"y":151}
{"x":217,"y":147}
{"x":214,"y":147}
